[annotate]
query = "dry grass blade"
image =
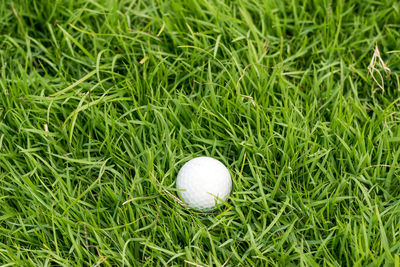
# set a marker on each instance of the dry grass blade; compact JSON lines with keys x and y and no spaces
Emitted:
{"x":192,"y":263}
{"x":377,"y":59}
{"x":251,"y":99}
{"x":227,"y":260}
{"x":102,"y":259}
{"x":170,"y":194}
{"x":18,"y":18}
{"x":381,"y":165}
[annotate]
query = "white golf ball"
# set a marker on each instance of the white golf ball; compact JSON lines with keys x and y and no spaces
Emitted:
{"x":203,"y":181}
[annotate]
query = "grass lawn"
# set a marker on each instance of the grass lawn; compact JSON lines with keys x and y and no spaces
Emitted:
{"x":102,"y":101}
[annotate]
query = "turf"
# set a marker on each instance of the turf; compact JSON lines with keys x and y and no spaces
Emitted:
{"x":101,"y":103}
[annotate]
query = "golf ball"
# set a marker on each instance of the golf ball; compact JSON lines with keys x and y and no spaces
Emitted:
{"x":202,"y":182}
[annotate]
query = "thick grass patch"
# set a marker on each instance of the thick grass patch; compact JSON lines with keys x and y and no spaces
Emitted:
{"x":101,"y":103}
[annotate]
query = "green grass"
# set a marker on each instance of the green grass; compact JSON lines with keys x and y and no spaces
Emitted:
{"x":102,"y":102}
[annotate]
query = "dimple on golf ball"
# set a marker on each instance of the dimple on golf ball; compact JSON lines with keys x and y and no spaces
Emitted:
{"x":202,"y":182}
